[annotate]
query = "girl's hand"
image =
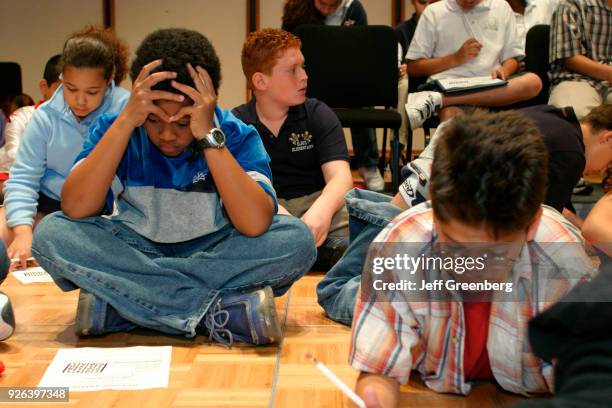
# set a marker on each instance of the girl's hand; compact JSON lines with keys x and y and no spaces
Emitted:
{"x":20,"y":248}
{"x":204,"y":99}
{"x":141,"y":103}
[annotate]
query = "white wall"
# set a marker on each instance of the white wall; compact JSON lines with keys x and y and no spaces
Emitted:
{"x":223,"y":22}
{"x":31,"y":31}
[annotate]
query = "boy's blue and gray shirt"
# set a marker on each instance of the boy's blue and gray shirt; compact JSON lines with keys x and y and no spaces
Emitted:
{"x":174,"y":199}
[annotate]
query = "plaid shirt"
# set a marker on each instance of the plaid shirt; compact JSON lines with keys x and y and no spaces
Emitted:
{"x":394,"y":336}
{"x":581,"y":27}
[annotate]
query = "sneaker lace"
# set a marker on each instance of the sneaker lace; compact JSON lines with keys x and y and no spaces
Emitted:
{"x":216,"y":327}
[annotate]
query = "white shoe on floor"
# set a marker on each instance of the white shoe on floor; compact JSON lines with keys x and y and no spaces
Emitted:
{"x":372,"y":179}
{"x":421,"y":106}
{"x":7,"y":319}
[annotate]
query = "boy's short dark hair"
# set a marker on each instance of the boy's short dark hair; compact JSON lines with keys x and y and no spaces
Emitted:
{"x":177,"y":47}
{"x":599,"y":118}
{"x":490,"y":170}
{"x":53,"y":69}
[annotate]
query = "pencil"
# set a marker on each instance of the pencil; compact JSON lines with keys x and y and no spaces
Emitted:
{"x":338,"y":382}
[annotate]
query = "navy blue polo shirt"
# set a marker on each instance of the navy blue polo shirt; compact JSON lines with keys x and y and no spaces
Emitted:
{"x":310,"y":136}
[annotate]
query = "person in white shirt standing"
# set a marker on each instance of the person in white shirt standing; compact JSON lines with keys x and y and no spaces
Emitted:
{"x":463,"y":39}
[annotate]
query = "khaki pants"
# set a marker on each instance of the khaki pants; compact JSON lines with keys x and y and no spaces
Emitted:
{"x":298,"y":206}
{"x":578,"y":94}
{"x":402,"y":98}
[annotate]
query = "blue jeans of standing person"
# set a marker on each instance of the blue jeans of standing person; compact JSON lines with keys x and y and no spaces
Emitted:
{"x":168,"y":287}
{"x":365,"y":147}
{"x":369,"y":213}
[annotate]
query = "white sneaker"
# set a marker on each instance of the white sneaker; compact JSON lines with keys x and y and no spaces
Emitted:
{"x":7,"y":319}
{"x":421,"y":106}
{"x":372,"y":179}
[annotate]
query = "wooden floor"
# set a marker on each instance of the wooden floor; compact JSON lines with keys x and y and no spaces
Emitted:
{"x":204,"y":375}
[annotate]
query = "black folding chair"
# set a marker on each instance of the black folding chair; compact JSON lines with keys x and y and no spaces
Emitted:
{"x":354,"y":70}
{"x":10,"y":81}
{"x":536,"y":58}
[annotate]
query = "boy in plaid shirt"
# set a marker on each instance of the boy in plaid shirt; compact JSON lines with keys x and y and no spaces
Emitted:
{"x":487,"y":185}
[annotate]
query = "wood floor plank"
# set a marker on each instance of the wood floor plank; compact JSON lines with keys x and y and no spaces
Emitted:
{"x":203,"y":374}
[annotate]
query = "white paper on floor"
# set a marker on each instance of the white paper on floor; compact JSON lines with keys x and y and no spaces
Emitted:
{"x":35,"y":274}
{"x":94,"y":369}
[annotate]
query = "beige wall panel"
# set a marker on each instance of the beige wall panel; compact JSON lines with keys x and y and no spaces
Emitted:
{"x":379,"y":11}
{"x":270,"y":13}
{"x":223,"y":22}
{"x":408,"y":9}
{"x":33,"y":30}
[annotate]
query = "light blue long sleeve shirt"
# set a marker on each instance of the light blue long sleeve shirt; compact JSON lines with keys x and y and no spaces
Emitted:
{"x":50,"y":143}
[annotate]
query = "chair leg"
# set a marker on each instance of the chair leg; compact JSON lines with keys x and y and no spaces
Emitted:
{"x":395,"y":164}
{"x":427,"y":136}
{"x":382,"y":160}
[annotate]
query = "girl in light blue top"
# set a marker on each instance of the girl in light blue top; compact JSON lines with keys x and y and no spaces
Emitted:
{"x":93,"y":62}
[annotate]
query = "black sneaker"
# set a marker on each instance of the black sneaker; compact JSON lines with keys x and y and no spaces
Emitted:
{"x":248,"y":317}
{"x":7,"y":318}
{"x":95,"y":317}
{"x":330,"y":253}
{"x":582,"y":188}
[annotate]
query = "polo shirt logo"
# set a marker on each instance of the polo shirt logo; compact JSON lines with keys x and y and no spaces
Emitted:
{"x":491,"y":24}
{"x":301,"y":141}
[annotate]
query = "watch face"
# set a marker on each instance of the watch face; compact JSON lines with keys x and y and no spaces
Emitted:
{"x":218,"y":136}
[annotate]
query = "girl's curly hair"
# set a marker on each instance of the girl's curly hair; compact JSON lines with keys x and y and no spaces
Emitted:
{"x":97,"y":47}
{"x":297,"y":12}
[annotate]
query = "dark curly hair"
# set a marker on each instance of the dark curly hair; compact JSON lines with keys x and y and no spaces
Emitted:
{"x":298,"y":12}
{"x":489,"y":169}
{"x":96,"y":47}
{"x":177,"y":47}
{"x":53,"y":69}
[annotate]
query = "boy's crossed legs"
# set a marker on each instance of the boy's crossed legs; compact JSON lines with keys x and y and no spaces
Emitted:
{"x":171,"y":287}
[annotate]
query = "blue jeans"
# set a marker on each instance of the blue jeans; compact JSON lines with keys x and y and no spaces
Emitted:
{"x":169,"y":287}
{"x":369,"y":213}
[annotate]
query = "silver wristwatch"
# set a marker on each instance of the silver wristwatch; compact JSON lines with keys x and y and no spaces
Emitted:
{"x":215,"y":138}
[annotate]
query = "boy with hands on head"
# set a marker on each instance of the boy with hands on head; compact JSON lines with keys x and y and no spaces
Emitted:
{"x":187,"y":254}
